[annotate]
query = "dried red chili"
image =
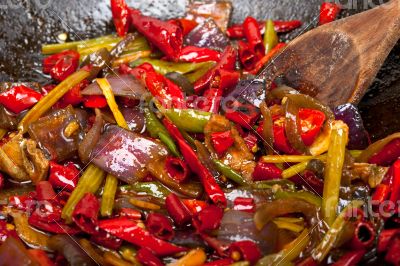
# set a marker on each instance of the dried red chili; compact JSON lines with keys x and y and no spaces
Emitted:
{"x":121,"y":18}
{"x":222,"y":141}
{"x":19,"y":98}
{"x":160,"y":226}
{"x":63,"y":177}
{"x":328,"y":12}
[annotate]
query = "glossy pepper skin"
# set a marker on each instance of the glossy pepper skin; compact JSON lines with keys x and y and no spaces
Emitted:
{"x":177,"y":169}
{"x":129,"y":231}
{"x":247,"y":249}
{"x":245,"y":114}
{"x":253,"y":36}
{"x":165,"y":36}
{"x":222,"y":141}
{"x":197,"y":54}
{"x":266,"y":171}
{"x":160,"y":226}
{"x":387,"y":155}
{"x":328,"y":12}
{"x":264,"y":60}
{"x":94,"y":101}
{"x":246,"y":55}
{"x":19,"y":98}
{"x":121,"y":18}
{"x":236,"y":31}
{"x":61,"y":65}
{"x":244,"y":204}
{"x":147,"y":258}
{"x":212,"y":189}
{"x":187,"y":25}
{"x":227,"y":62}
{"x":311,"y":122}
{"x":208,"y":219}
{"x":350,"y":258}
{"x":177,"y":210}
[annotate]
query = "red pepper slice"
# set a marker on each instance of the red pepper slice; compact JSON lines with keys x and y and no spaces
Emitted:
{"x":212,"y":100}
{"x":50,"y":61}
{"x":197,"y":54}
{"x":222,"y":141}
{"x":130,"y":213}
{"x":224,"y":79}
{"x":387,"y":155}
{"x":350,"y":258}
{"x":208,"y":219}
{"x":187,"y":25}
{"x":253,"y":36}
{"x":311,"y":122}
{"x":19,"y":98}
{"x":227,"y":62}
{"x":244,"y":204}
{"x":261,"y":63}
{"x":44,"y":191}
{"x":251,"y":141}
{"x":147,"y":258}
{"x":328,"y":12}
{"x":168,"y":93}
{"x":281,"y":142}
{"x":266,"y":171}
{"x":245,"y":114}
{"x":236,"y":31}
{"x":395,"y":194}
{"x":384,"y":239}
{"x":121,"y":18}
{"x":165,"y":36}
{"x":194,"y":206}
{"x":221,"y":262}
{"x":177,"y":169}
{"x":246,"y":56}
{"x":61,"y":65}
{"x":160,"y":226}
{"x":245,"y":250}
{"x":129,"y":231}
{"x":40,"y":256}
{"x":393,"y":252}
{"x":94,"y":101}
{"x":177,"y":210}
{"x":380,"y":194}
{"x":63,"y":177}
{"x":86,"y":212}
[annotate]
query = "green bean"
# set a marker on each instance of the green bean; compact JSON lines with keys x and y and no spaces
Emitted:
{"x":321,"y":251}
{"x":89,"y":182}
{"x":229,"y":172}
{"x":164,"y":67}
{"x":107,"y":199}
{"x":299,"y":168}
{"x":284,"y":183}
{"x":188,"y":120}
{"x":304,"y":195}
{"x":51,"y":98}
{"x":333,"y":170}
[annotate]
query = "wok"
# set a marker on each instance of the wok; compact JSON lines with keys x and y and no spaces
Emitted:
{"x":27,"y":24}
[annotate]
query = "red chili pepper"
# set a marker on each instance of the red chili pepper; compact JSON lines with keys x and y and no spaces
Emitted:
{"x":63,"y":177}
{"x":311,"y":122}
{"x":50,"y":61}
{"x":197,"y":54}
{"x":147,"y":258}
{"x":186,"y":25}
{"x":245,"y":114}
{"x":328,"y":12}
{"x":266,"y":171}
{"x":212,"y":100}
{"x":310,"y":181}
{"x":364,"y":236}
{"x":395,"y":194}
{"x":19,"y":98}
{"x":246,"y":56}
{"x":224,"y":79}
{"x":222,"y":141}
{"x":73,"y":96}
{"x":244,"y":204}
{"x":130,"y":213}
{"x":25,"y":202}
{"x":44,"y":191}
{"x":393,"y":252}
{"x":380,"y":194}
{"x":221,"y":262}
{"x":208,"y":219}
{"x":227,"y":62}
{"x":168,"y":93}
{"x":253,"y":36}
{"x":86,"y":212}
{"x":251,"y":141}
{"x":129,"y":231}
{"x":194,"y":206}
{"x":281,"y":142}
{"x":160,"y":226}
{"x":307,"y":262}
{"x":212,"y":189}
{"x":61,"y":65}
{"x":384,"y":238}
{"x":351,"y":258}
{"x":217,"y":245}
{"x":94,"y":101}
{"x":177,"y":169}
{"x":1,"y":181}
{"x":165,"y":36}
{"x":245,"y":250}
{"x":260,"y":64}
{"x":236,"y":31}
{"x":177,"y":210}
{"x":387,"y":155}
{"x":107,"y":241}
{"x":121,"y":18}
{"x":40,"y":256}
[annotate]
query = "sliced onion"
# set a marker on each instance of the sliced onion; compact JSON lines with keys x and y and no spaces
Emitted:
{"x":135,"y":119}
{"x":91,"y":138}
{"x":122,"y":85}
{"x":251,"y":90}
{"x":125,"y":154}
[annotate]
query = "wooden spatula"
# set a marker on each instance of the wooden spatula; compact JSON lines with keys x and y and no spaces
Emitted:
{"x":337,"y":62}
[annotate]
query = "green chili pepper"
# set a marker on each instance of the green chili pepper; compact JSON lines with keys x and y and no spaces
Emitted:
{"x":300,"y":167}
{"x":229,"y":172}
{"x":157,"y":129}
{"x":333,"y":170}
{"x":189,"y":138}
{"x":304,"y":195}
{"x":90,"y":181}
{"x":195,"y":75}
{"x":107,"y":199}
{"x":270,"y":36}
{"x":328,"y":242}
{"x":155,"y":189}
{"x":188,"y":120}
{"x":164,"y":67}
{"x":284,"y":183}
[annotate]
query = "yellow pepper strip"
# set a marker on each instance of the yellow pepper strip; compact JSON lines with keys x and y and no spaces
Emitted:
{"x":289,"y":226}
{"x":299,"y":168}
{"x":114,"y":260}
{"x":328,"y":242}
{"x":51,"y":98}
{"x":71,"y":128}
{"x":196,"y":257}
{"x":107,"y":199}
{"x":144,"y":204}
{"x":333,"y":171}
{"x":27,"y":234}
{"x":304,"y":195}
{"x":289,"y":253}
{"x":124,"y":59}
{"x":286,"y":158}
{"x":295,"y":220}
{"x":90,"y":181}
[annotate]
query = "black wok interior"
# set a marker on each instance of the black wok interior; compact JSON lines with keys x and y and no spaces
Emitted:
{"x":26,"y":24}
